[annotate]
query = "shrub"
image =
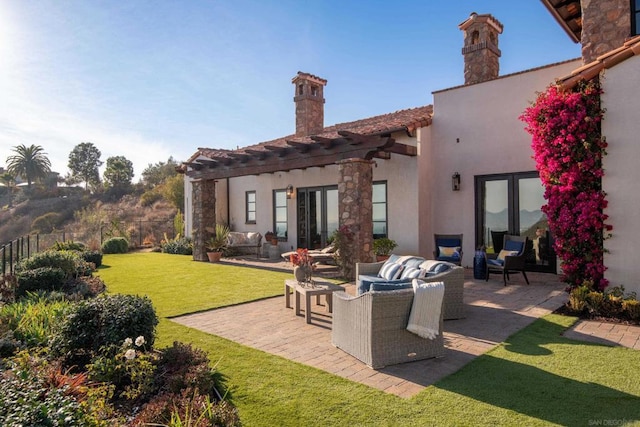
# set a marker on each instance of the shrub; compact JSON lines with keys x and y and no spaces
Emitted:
{"x":69,"y":245}
{"x":102,"y":322}
{"x":33,"y":319}
{"x":178,"y":246}
{"x":115,"y":245}
{"x":83,"y":287}
{"x":92,"y":257}
{"x":46,"y":223}
{"x":182,"y":366}
{"x":128,"y":368}
{"x":68,"y":261}
{"x":632,"y":308}
{"x":595,"y":302}
{"x":187,"y":408}
{"x":45,"y":398}
{"x":578,"y":299}
{"x":41,"y":278}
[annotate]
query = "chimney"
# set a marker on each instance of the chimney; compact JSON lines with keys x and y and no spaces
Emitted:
{"x":480,"y":51}
{"x":309,"y":101}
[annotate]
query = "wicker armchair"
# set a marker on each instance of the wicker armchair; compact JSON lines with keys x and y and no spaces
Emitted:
{"x":453,"y":286}
{"x":372,"y":328}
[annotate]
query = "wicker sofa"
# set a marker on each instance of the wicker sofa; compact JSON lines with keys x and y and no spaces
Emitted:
{"x":453,"y":279}
{"x":372,"y":328}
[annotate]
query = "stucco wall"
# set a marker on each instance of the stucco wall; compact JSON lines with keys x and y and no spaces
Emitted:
{"x":475,"y":131}
{"x":621,"y":127}
{"x":400,"y":172}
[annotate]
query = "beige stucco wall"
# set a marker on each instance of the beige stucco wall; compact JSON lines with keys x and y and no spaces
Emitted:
{"x":400,"y":172}
{"x":621,"y":127}
{"x":475,"y":131}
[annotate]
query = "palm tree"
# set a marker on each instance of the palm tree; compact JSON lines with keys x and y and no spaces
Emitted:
{"x":29,"y":162}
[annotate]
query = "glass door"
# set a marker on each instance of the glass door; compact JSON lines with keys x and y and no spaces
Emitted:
{"x":317,"y":216}
{"x":511,"y":204}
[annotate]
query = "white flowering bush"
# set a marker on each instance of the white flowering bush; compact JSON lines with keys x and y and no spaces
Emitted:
{"x":129,"y":367}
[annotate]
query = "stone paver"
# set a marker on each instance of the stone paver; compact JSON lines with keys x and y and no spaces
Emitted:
{"x":605,"y":333}
{"x":493,"y":313}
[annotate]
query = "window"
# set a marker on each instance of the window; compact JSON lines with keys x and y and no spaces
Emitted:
{"x":379,"y":200}
{"x":635,"y":17}
{"x":250,"y":199}
{"x":280,"y":214}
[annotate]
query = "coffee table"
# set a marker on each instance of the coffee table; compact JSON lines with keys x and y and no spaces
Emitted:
{"x":318,"y":288}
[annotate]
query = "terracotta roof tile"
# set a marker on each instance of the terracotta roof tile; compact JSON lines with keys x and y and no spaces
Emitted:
{"x":610,"y":59}
{"x":404,"y":120}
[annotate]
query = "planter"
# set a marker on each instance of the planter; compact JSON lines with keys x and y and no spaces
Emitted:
{"x":302,"y":274}
{"x":214,"y":256}
{"x":382,"y":257}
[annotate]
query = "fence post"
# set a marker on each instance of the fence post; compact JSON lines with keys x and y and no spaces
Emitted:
{"x":11,"y":257}
{"x":4,"y":261}
{"x":38,"y":243}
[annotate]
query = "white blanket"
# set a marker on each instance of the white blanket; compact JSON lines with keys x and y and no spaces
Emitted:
{"x":424,"y":319}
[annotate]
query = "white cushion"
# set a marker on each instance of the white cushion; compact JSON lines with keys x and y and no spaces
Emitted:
{"x":412,"y":273}
{"x":391,"y":271}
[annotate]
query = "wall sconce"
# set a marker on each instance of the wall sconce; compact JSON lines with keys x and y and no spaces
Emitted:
{"x":455,"y":181}
{"x":289,"y":191}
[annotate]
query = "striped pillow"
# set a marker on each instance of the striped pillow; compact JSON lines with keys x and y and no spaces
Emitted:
{"x":412,"y":273}
{"x":391,"y":271}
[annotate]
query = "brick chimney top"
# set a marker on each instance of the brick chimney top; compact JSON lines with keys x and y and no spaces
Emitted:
{"x":309,"y":100}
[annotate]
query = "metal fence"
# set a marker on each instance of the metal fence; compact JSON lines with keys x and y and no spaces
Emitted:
{"x":138,"y":233}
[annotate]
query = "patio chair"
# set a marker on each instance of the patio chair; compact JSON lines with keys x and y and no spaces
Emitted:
{"x":372,"y":328}
{"x":448,"y":247}
{"x":511,"y":259}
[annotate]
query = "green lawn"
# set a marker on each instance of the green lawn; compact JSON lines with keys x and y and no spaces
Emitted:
{"x":536,"y":377}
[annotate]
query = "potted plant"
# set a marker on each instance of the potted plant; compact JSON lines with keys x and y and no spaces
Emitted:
{"x":271,"y":237}
{"x":382,"y":248}
{"x":217,"y":242}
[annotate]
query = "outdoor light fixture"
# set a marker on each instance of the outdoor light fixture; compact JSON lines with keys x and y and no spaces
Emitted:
{"x":455,"y":181}
{"x":289,"y":191}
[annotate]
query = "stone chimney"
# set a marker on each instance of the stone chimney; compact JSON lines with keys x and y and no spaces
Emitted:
{"x":480,"y":51}
{"x":309,"y":101}
{"x":606,"y":24}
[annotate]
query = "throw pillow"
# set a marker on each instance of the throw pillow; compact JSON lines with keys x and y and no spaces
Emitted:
{"x":442,"y":267}
{"x":391,"y":271}
{"x":505,"y":253}
{"x":449,"y":252}
{"x":412,"y":273}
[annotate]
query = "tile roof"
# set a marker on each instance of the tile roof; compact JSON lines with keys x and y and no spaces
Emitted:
{"x":404,"y":120}
{"x":610,"y":59}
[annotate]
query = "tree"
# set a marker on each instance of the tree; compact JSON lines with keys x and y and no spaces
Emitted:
{"x":156,"y":174}
{"x":84,"y":161}
{"x":30,"y":162}
{"x":119,"y":172}
{"x":172,"y":189}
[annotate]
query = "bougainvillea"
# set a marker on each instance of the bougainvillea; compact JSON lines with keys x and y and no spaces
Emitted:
{"x":568,"y":149}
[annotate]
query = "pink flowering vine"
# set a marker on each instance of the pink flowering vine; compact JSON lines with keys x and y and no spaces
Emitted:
{"x":568,"y":148}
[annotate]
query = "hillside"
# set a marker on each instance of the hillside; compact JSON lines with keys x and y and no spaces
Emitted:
{"x":85,"y":218}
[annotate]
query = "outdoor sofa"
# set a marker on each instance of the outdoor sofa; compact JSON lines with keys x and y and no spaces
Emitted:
{"x":397,"y":272}
{"x":372,"y":327}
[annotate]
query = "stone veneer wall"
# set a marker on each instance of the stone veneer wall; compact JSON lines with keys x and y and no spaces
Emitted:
{"x":204,"y":216}
{"x":606,"y":24}
{"x":355,"y":191}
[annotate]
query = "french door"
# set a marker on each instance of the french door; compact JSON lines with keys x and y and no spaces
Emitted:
{"x":317,"y":216}
{"x":511,"y":204}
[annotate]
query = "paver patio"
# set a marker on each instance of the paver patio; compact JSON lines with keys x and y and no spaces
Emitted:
{"x":493,"y":313}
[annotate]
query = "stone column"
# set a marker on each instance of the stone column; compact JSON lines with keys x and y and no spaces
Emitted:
{"x":605,"y":26}
{"x":355,"y":207}
{"x":204,"y":216}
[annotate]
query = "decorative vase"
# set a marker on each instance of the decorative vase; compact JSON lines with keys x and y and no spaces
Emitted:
{"x":302,"y":274}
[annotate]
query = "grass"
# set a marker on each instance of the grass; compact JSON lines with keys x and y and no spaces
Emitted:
{"x":536,"y":377}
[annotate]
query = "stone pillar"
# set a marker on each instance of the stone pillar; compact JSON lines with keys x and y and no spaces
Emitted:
{"x":606,"y":24}
{"x":204,"y":216}
{"x":355,"y":207}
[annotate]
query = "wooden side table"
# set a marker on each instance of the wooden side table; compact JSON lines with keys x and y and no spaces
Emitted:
{"x":318,"y":288}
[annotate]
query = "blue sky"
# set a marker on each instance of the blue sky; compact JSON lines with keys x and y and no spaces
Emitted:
{"x":149,"y":79}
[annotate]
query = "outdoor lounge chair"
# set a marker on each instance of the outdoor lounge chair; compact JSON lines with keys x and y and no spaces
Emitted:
{"x":317,"y":255}
{"x":373,"y":328}
{"x":511,"y":259}
{"x":448,"y":247}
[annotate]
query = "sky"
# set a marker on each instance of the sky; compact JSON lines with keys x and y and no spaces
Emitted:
{"x":150,"y":79}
